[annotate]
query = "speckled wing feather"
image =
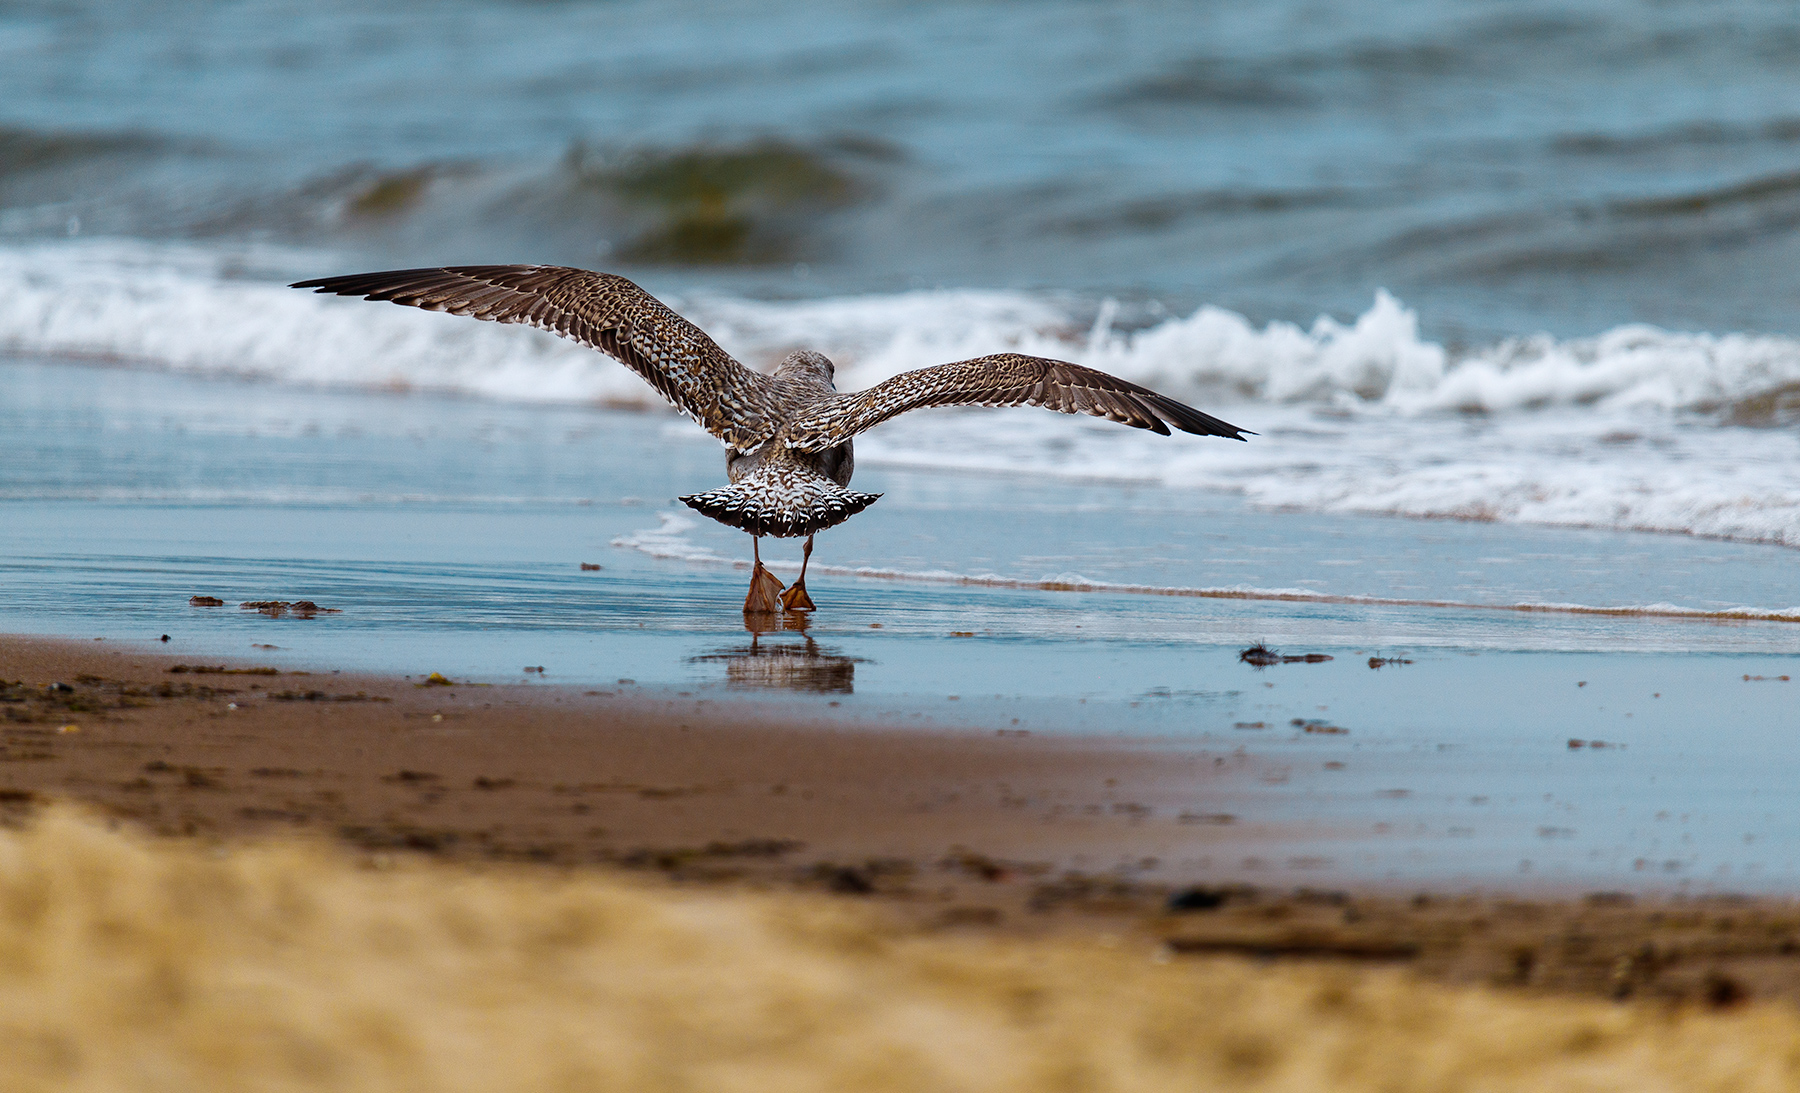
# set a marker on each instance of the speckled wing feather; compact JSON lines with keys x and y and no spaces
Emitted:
{"x":602,"y":311}
{"x":1004,"y":379}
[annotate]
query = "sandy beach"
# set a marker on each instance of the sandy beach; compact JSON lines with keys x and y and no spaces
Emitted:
{"x":997,"y":830}
{"x":422,"y":878}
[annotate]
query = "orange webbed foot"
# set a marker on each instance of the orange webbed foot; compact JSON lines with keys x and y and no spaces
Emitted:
{"x":796,"y":599}
{"x":765,"y":596}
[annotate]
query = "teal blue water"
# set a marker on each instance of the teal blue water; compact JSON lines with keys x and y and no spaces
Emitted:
{"x":1505,"y":167}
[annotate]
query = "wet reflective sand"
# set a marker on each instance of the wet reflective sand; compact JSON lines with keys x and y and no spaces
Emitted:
{"x":451,"y":537}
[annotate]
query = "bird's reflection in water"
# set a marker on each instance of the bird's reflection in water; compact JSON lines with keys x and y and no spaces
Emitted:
{"x":783,"y":663}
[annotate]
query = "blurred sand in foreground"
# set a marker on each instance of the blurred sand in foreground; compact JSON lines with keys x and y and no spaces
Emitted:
{"x":131,"y":963}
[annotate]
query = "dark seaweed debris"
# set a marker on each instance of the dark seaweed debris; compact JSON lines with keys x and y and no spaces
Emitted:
{"x":221,"y":670}
{"x":300,"y":609}
{"x":1262,"y":656}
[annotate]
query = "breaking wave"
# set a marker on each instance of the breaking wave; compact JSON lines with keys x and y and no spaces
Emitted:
{"x":195,"y":309}
{"x":1635,"y":428}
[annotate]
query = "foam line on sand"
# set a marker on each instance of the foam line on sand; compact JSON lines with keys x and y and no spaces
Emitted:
{"x":667,"y":541}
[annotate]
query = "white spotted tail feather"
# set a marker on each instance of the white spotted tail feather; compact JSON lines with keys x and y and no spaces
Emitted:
{"x":781,"y":500}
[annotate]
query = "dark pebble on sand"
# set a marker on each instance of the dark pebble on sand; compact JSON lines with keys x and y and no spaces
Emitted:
{"x":1198,"y":899}
{"x":1722,"y":991}
{"x":846,"y":881}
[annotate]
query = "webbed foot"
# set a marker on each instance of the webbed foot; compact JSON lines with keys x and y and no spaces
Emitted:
{"x":796,"y":599}
{"x":765,"y":596}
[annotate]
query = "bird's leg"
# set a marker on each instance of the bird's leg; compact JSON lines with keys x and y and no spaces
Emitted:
{"x":795,"y":598}
{"x":765,"y":588}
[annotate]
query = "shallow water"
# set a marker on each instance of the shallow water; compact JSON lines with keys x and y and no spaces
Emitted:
{"x":449,"y":534}
{"x":145,"y":465}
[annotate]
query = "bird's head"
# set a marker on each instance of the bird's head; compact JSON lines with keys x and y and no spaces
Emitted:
{"x":805,"y":366}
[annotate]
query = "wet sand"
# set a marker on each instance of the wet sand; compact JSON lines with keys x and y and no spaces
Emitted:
{"x":990,"y":832}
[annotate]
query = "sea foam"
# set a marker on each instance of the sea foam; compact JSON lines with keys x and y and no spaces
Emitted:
{"x":670,"y":540}
{"x":1630,"y":429}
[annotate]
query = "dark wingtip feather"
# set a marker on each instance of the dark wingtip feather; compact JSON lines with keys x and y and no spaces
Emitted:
{"x":1197,"y":422}
{"x":362,"y":284}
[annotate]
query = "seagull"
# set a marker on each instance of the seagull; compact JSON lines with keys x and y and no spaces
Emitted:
{"x":787,"y":434}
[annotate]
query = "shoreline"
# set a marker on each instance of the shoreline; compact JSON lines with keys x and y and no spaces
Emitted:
{"x":993,"y":831}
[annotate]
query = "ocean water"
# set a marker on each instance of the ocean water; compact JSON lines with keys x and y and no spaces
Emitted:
{"x":1515,"y":262}
{"x":1507,"y":292}
{"x":1505,"y":167}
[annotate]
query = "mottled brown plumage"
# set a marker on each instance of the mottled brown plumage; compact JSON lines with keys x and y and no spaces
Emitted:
{"x":788,"y":434}
{"x":1003,"y":379}
{"x":602,"y":311}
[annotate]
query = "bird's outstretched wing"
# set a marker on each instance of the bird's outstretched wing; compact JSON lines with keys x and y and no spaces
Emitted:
{"x":602,"y":311}
{"x":1004,"y":379}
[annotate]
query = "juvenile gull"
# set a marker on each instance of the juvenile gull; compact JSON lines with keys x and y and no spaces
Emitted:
{"x":787,"y":434}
